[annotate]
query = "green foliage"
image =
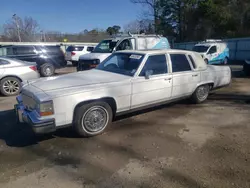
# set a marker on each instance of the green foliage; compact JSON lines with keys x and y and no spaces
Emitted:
{"x":113,"y":30}
{"x":200,"y":19}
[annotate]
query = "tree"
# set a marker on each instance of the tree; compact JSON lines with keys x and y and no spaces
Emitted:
{"x":132,"y":27}
{"x":26,"y":29}
{"x":113,"y":30}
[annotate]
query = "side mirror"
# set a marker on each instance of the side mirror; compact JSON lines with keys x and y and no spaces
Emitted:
{"x":148,"y":73}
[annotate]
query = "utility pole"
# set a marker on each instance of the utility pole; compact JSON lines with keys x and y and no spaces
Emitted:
{"x":18,"y":28}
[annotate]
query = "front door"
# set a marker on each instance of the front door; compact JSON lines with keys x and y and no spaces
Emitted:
{"x":212,"y":55}
{"x":156,"y":87}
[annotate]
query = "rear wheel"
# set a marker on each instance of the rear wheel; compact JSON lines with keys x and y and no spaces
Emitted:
{"x":93,"y":118}
{"x":201,"y":93}
{"x":206,"y":61}
{"x":246,"y":69}
{"x":47,"y":70}
{"x":10,"y":86}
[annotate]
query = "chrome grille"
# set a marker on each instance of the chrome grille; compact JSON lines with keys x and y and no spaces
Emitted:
{"x":28,"y":102}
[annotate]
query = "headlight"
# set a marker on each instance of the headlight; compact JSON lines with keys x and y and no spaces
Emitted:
{"x":45,"y":108}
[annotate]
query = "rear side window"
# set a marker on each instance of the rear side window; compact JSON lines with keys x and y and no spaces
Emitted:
{"x":23,"y":50}
{"x":50,"y":49}
{"x":75,"y":48}
{"x":90,"y":49}
{"x":155,"y":63}
{"x":180,"y":63}
{"x":192,"y":61}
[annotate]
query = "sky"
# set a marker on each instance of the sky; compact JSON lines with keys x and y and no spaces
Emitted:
{"x":71,"y":16}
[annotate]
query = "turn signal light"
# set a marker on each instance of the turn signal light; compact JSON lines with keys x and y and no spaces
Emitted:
{"x":46,"y":113}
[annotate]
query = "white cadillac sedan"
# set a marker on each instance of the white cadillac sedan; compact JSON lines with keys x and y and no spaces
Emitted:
{"x":126,"y":81}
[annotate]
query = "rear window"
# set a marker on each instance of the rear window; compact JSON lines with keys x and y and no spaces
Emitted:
{"x":75,"y":48}
{"x":90,"y":49}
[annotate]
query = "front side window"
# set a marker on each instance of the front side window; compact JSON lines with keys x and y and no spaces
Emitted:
{"x":124,"y":45}
{"x":122,"y":63}
{"x":180,"y":63}
{"x":106,"y":46}
{"x":157,"y":64}
{"x":212,"y":50}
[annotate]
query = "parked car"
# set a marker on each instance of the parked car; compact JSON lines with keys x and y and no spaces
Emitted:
{"x":47,"y":58}
{"x":124,"y":82}
{"x":246,"y":67}
{"x":74,"y":52}
{"x":213,"y":51}
{"x":128,"y":42}
{"x":13,"y":72}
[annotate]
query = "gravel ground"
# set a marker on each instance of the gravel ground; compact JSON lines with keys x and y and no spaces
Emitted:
{"x":176,"y":145}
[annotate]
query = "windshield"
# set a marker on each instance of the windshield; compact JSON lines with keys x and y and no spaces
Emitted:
{"x":106,"y":46}
{"x":122,"y":63}
{"x":201,"y":49}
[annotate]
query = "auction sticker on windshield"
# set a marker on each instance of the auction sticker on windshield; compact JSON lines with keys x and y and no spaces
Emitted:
{"x":133,"y":56}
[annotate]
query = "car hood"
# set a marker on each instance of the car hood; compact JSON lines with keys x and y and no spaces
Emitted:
{"x":90,"y":56}
{"x":91,"y":78}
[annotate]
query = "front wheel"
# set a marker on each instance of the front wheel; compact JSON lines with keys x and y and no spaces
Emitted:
{"x":201,"y":93}
{"x":47,"y":70}
{"x":225,"y":62}
{"x":206,"y":61}
{"x":93,"y":118}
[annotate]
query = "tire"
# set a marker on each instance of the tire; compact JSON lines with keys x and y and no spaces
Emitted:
{"x":206,"y":61}
{"x":85,"y":114}
{"x":200,"y":95}
{"x":74,"y":63}
{"x":10,"y":86}
{"x":246,"y":69}
{"x":47,"y":70}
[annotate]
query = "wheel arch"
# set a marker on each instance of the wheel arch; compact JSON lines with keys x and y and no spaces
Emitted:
{"x":110,"y":100}
{"x":210,"y":83}
{"x":15,"y":76}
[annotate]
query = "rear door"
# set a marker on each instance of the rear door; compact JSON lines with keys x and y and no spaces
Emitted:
{"x":185,"y":78}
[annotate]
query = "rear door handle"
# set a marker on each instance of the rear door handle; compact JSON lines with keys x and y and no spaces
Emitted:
{"x":195,"y":75}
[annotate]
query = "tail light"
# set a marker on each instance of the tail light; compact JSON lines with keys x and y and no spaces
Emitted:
{"x":73,"y":53}
{"x":34,"y":68}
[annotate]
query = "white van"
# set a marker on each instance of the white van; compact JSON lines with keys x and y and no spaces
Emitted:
{"x":131,"y":42}
{"x":213,"y":51}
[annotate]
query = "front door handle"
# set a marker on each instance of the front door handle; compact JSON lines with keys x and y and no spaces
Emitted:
{"x":195,"y":75}
{"x":167,"y":79}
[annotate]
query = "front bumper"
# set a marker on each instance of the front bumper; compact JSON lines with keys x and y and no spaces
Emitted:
{"x":31,"y":117}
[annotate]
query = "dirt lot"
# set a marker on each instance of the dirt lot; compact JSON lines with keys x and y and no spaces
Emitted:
{"x":176,"y":145}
